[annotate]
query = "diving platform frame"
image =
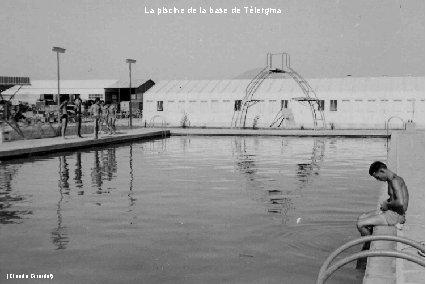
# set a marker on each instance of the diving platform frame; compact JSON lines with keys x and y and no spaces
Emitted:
{"x":240,"y":112}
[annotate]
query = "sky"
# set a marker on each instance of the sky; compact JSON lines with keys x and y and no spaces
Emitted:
{"x":328,"y":38}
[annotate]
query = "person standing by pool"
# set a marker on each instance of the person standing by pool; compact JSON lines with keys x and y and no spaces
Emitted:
{"x":64,"y":117}
{"x":104,"y":117}
{"x":392,"y":211}
{"x":95,"y":111}
{"x":112,"y":113}
{"x":77,"y":110}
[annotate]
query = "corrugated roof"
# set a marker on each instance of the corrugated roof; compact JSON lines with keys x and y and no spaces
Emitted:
{"x":324,"y":88}
{"x":30,"y":93}
{"x":122,"y":84}
{"x":67,"y":87}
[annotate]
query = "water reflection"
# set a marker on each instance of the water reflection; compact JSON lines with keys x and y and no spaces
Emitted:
{"x":104,"y":168}
{"x":78,"y":174}
{"x":156,"y":146}
{"x":64,"y":174}
{"x":111,"y":168}
{"x":304,"y":171}
{"x":132,"y":199}
{"x":96,"y":172}
{"x":245,"y":161}
{"x":279,"y":202}
{"x":59,"y":234}
{"x":8,"y":215}
{"x":186,"y":143}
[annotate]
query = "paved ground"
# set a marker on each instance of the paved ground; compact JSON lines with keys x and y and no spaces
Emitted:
{"x":406,"y":157}
{"x":410,"y":164}
{"x":18,"y":148}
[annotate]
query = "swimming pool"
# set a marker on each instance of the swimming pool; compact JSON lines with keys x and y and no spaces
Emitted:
{"x":187,"y":209}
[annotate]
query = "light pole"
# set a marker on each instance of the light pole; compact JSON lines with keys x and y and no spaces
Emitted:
{"x":130,"y":61}
{"x":58,"y":50}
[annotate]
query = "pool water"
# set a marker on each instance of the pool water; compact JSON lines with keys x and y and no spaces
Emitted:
{"x":188,"y":209}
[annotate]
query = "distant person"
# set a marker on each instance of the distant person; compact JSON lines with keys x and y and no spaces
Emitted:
{"x":95,"y":111}
{"x":78,"y":115}
{"x":392,"y":211}
{"x":104,"y":117}
{"x":18,"y":115}
{"x":112,"y":113}
{"x":64,"y":117}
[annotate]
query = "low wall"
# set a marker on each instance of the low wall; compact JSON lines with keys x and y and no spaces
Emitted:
{"x":48,"y":130}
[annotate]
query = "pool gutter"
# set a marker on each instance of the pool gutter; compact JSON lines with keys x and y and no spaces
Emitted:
{"x":379,"y":133}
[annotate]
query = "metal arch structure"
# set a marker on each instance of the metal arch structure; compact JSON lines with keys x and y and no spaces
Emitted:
{"x":6,"y":83}
{"x":327,"y":269}
{"x":371,"y":253}
{"x":240,"y":111}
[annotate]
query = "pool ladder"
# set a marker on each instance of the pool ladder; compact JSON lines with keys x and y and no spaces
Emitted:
{"x":163,"y":125}
{"x":326,"y":270}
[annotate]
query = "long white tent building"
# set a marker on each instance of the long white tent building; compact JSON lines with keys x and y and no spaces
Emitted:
{"x":347,"y":103}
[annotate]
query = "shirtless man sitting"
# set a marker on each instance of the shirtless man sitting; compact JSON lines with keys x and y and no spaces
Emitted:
{"x":392,"y":211}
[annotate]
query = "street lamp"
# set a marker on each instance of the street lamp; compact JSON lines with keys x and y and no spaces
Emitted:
{"x":130,"y":61}
{"x":58,"y":50}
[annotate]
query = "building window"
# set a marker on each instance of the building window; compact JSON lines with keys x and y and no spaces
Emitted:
{"x":94,"y":96}
{"x":284,"y":104}
{"x":48,"y":97}
{"x":237,"y":105}
{"x":159,"y":105}
{"x":320,"y":105}
{"x":333,"y":105}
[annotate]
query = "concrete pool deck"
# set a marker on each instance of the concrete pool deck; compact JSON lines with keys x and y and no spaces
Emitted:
{"x":23,"y":148}
{"x":406,"y":157}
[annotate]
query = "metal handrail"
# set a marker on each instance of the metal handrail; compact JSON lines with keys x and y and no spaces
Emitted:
{"x":163,"y":125}
{"x":387,"y":123}
{"x":387,"y":129}
{"x":373,"y":253}
{"x":325,"y":267}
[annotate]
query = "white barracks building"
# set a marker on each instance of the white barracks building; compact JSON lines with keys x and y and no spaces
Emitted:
{"x":345,"y":103}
